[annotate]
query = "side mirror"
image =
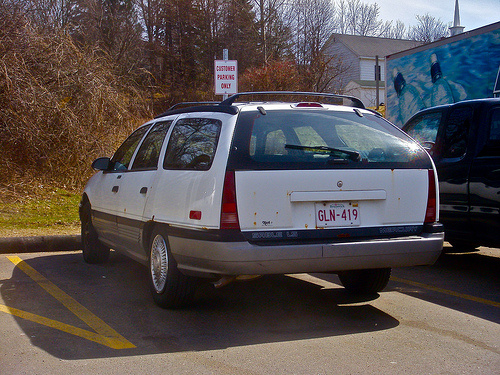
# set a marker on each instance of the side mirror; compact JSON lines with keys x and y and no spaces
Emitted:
{"x":428,"y":145}
{"x":102,"y":164}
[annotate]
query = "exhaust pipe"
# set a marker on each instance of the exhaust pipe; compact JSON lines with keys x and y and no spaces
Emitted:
{"x":226,"y":280}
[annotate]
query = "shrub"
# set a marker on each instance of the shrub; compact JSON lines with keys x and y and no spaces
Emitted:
{"x":60,"y":106}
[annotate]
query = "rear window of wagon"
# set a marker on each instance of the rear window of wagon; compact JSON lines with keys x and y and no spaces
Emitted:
{"x":317,"y":139}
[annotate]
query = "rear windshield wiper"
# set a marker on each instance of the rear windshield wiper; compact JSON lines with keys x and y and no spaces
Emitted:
{"x":353,"y":155}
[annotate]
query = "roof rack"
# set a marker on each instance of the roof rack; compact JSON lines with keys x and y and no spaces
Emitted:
{"x":189,"y":104}
{"x":357,"y":103}
{"x":232,"y":110}
{"x":226,"y":106}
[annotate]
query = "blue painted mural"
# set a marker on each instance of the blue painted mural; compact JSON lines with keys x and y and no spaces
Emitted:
{"x":465,"y":69}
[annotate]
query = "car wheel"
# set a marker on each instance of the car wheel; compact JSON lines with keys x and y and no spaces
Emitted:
{"x":169,"y":287}
{"x":94,"y":251}
{"x":365,"y":281}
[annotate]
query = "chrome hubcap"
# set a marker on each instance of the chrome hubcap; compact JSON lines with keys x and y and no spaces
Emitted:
{"x":159,"y":263}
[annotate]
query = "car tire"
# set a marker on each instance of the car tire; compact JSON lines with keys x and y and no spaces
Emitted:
{"x":170,"y":288}
{"x":94,"y":252}
{"x":365,"y":281}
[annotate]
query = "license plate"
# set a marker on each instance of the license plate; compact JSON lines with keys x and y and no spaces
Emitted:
{"x":337,"y":214}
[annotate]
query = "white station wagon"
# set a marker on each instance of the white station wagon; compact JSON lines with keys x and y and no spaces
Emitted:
{"x":219,"y":191}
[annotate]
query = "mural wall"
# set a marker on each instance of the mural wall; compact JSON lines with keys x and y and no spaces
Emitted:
{"x":465,"y":69}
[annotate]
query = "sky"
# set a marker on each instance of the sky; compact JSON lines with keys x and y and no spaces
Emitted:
{"x":473,"y":13}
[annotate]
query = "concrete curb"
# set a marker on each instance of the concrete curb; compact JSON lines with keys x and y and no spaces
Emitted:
{"x":11,"y":245}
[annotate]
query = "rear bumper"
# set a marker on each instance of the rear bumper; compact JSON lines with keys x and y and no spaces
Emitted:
{"x":208,"y":258}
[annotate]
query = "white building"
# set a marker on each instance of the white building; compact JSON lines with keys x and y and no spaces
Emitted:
{"x":356,"y":57}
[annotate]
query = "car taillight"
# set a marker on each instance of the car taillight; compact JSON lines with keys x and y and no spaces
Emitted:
{"x":229,"y":212}
{"x":431,"y":212}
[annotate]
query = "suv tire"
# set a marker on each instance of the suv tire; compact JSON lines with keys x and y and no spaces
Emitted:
{"x":94,"y":251}
{"x":365,"y":281}
{"x":170,"y":288}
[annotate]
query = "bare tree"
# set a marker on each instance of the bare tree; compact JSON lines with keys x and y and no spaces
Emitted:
{"x":239,"y":32}
{"x":149,"y":13}
{"x":110,"y":25}
{"x":273,"y":28}
{"x":397,"y":31}
{"x":394,"y":31}
{"x":210,"y":26}
{"x":48,"y":15}
{"x":428,"y":29}
{"x":313,"y":25}
{"x":357,"y":18}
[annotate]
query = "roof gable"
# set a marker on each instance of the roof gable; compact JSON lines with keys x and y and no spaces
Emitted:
{"x":369,"y":46}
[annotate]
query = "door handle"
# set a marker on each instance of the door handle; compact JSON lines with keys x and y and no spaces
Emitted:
{"x":115,"y":189}
{"x":143,"y":190}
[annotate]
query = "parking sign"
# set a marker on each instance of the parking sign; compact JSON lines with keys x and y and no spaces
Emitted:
{"x":226,"y":77}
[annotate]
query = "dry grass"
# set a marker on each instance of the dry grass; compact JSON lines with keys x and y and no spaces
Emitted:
{"x":61,"y":106}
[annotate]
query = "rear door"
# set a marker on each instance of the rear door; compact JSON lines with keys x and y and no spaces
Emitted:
{"x":453,"y":156}
{"x":189,"y":174}
{"x":322,"y":175}
{"x":485,"y":181}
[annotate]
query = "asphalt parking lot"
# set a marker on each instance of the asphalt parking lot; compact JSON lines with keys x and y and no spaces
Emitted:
{"x":60,"y":315}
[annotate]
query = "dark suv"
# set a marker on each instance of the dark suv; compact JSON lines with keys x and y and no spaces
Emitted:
{"x":464,"y":142}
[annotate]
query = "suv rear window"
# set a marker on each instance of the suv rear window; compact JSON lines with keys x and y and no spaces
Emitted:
{"x":320,"y":139}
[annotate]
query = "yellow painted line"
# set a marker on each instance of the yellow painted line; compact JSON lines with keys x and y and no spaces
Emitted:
{"x":446,"y":291}
{"x":92,"y":336}
{"x":103,"y":334}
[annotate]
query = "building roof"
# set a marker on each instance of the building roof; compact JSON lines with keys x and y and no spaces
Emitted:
{"x":369,"y":46}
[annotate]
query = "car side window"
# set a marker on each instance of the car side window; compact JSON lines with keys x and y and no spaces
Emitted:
{"x":424,"y":128}
{"x":123,"y":155}
{"x":192,"y":144}
{"x":456,"y":132}
{"x":492,"y":147}
{"x":495,"y":125}
{"x":149,"y":152}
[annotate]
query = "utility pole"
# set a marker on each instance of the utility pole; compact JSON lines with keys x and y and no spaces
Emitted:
{"x":225,"y":57}
{"x":377,"y":81}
